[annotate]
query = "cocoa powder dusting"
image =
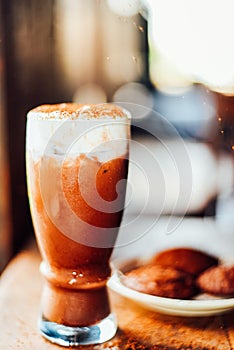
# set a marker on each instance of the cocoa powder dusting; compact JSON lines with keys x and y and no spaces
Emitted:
{"x":124,"y":342}
{"x":79,"y":111}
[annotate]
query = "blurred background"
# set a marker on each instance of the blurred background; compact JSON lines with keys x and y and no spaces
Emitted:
{"x":169,"y":62}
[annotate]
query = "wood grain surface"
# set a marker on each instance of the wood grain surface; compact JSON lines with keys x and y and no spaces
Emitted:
{"x":20,"y":289}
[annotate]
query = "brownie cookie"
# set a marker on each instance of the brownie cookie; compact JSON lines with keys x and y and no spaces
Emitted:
{"x":161,"y":281}
{"x":185,"y":259}
{"x":217,"y":280}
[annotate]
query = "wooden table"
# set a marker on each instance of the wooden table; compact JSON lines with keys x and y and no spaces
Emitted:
{"x":20,"y":289}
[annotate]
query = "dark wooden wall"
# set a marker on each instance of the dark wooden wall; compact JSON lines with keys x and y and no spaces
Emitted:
{"x":31,"y":76}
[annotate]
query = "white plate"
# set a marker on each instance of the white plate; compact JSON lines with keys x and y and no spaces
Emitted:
{"x":201,"y":234}
{"x":176,"y":307}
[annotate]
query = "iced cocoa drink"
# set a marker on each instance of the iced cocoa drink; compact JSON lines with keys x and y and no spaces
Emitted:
{"x":77,"y":163}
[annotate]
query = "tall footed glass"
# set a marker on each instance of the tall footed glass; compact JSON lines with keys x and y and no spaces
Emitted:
{"x":77,"y":164}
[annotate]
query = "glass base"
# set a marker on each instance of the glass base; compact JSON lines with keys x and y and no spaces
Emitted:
{"x":74,"y":336}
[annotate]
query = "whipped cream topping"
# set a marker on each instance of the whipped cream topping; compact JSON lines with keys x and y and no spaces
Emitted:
{"x":71,"y":129}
